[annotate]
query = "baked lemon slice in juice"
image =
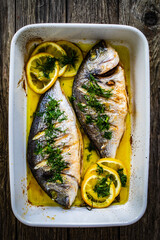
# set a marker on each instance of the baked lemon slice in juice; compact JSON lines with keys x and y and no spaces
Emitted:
{"x":42,"y":71}
{"x":101,"y":170}
{"x":73,"y":59}
{"x":97,"y":191}
{"x":54,"y":49}
{"x":118,"y":166}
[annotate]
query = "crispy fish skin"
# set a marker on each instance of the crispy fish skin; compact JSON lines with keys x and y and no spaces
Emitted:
{"x":99,"y":61}
{"x":69,"y":142}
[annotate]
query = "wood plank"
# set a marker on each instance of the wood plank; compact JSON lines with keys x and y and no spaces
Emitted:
{"x":145,"y":16}
{"x":28,"y":12}
{"x":90,"y":11}
{"x":43,"y":11}
{"x":28,"y":233}
{"x":7,"y":26}
{"x":141,"y":14}
{"x":93,"y":233}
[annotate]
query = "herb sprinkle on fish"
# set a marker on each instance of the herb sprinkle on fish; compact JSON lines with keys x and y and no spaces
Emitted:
{"x":55,"y":147}
{"x":100,"y":98}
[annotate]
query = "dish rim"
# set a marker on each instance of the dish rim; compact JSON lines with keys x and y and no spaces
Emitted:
{"x":10,"y":121}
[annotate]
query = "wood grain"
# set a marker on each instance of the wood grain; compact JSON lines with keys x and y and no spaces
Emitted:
{"x":145,"y":15}
{"x":39,"y":11}
{"x":7,"y":28}
{"x":87,"y":11}
{"x":92,"y":11}
{"x":28,"y":12}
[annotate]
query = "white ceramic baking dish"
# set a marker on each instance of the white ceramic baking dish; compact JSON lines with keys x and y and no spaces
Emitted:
{"x":116,"y":215}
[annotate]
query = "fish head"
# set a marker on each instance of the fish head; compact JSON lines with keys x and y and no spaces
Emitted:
{"x":63,"y":193}
{"x":101,"y":59}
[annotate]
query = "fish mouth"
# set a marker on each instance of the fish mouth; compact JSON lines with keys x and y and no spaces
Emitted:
{"x":110,"y":72}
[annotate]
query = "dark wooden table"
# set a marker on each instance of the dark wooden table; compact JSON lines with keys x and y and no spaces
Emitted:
{"x":145,"y":15}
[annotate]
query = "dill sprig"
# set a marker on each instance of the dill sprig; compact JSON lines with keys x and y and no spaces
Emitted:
{"x":46,"y":67}
{"x":89,"y":119}
{"x":54,"y":154}
{"x":108,"y":135}
{"x":102,"y":122}
{"x":88,"y":157}
{"x":99,"y":169}
{"x":90,"y":147}
{"x":94,"y":88}
{"x":71,"y":99}
{"x":102,"y":187}
{"x":69,"y":59}
{"x":81,"y":106}
{"x":53,"y":113}
{"x":93,"y":102}
{"x":122,"y":176}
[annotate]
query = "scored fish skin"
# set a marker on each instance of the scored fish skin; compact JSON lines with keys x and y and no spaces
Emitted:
{"x":116,"y":106}
{"x":70,"y":142}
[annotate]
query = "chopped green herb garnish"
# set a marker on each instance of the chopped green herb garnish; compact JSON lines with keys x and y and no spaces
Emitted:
{"x":54,"y":154}
{"x":69,"y":59}
{"x":92,"y":78}
{"x":93,"y":102}
{"x":62,"y":119}
{"x":39,"y":149}
{"x":90,"y":147}
{"x":93,"y":88}
{"x":55,"y":178}
{"x":88,"y":157}
{"x":46,"y":67}
{"x":53,"y":113}
{"x":71,"y":99}
{"x":103,"y":122}
{"x":38,"y":114}
{"x":99,"y":169}
{"x":112,"y":179}
{"x":89,"y":119}
{"x":108,"y":135}
{"x":102,"y":187}
{"x":55,"y":160}
{"x":81,"y":107}
{"x":123,"y":177}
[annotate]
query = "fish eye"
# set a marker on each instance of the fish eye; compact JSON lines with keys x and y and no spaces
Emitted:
{"x":93,"y":54}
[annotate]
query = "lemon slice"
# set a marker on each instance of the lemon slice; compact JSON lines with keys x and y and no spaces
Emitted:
{"x":96,"y":194}
{"x":53,"y":49}
{"x":74,"y":58}
{"x":118,"y":166}
{"x":102,"y":170}
{"x":42,"y":71}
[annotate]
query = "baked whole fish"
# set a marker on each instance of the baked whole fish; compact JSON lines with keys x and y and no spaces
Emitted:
{"x":55,"y":147}
{"x":100,"y":98}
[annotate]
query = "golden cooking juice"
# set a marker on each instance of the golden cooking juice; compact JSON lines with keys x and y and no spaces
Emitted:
{"x":36,"y":195}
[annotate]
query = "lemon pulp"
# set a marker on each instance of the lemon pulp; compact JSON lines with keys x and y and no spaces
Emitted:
{"x":36,"y":195}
